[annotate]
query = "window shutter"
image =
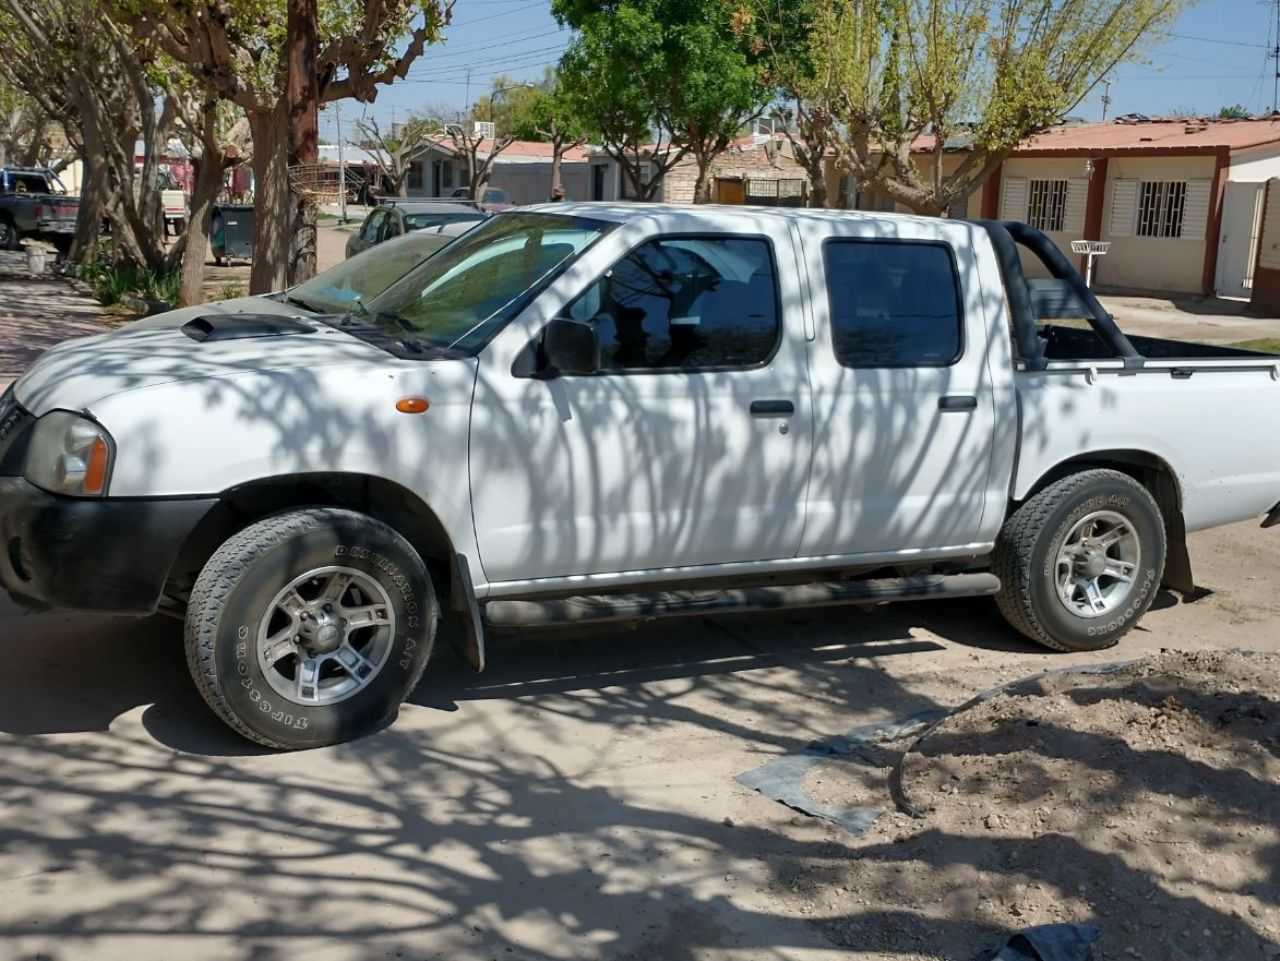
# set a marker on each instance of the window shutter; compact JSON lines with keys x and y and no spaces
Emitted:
{"x":1124,"y":207}
{"x":1195,"y":210}
{"x":1077,"y":198}
{"x":1013,"y":204}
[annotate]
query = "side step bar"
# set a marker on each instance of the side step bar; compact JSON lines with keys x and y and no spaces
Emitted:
{"x":599,"y":608}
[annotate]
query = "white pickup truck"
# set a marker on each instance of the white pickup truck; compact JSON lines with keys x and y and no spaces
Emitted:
{"x":612,"y":412}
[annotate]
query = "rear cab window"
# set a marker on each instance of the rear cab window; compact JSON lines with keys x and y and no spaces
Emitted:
{"x":894,"y":303}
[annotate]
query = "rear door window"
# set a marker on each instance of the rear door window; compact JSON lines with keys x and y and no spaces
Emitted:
{"x":893,"y":303}
{"x":371,"y":226}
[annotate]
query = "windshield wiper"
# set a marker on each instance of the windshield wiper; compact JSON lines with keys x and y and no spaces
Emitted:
{"x":306,"y":304}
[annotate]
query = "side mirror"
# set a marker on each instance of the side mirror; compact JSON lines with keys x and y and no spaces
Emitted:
{"x":568,"y":347}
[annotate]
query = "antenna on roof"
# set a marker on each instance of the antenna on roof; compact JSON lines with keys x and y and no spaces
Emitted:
{"x":1106,"y":94}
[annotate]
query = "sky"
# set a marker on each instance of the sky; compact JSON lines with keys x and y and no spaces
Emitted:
{"x":1216,"y":55}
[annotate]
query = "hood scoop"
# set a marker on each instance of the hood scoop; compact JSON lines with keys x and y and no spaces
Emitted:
{"x":216,"y":327}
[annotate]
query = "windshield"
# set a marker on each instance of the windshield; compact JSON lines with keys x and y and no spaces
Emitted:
{"x":365,"y":275}
{"x":459,"y":299}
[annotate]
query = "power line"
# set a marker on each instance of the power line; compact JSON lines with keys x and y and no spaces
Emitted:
{"x":500,"y":40}
{"x":506,"y":62}
{"x":1229,"y":43}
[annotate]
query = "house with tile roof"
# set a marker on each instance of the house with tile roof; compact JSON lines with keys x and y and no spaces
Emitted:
{"x":1179,"y":201}
{"x":522,"y":170}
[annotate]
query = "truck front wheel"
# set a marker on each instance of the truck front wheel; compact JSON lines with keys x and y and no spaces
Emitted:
{"x":1080,"y":562}
{"x":9,"y":236}
{"x":310,"y":627}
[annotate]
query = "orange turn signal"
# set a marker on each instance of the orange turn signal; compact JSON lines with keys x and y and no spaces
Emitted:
{"x":95,"y":474}
{"x":412,"y":405}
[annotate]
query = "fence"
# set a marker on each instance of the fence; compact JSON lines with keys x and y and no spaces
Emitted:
{"x":777,"y":193}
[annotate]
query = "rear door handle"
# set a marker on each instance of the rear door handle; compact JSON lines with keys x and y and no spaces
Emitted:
{"x":772,"y":408}
{"x":958,"y":402}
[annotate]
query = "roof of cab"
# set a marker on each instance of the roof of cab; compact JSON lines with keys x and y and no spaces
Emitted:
{"x":622,"y":211}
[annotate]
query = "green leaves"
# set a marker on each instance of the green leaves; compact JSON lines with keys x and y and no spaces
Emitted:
{"x":879,"y":74}
{"x":675,"y":71}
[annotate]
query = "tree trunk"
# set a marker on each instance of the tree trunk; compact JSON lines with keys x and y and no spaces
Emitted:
{"x":557,"y":160}
{"x":816,"y":168}
{"x":302,"y":89}
{"x":272,"y":201}
{"x":204,"y":192}
{"x":93,"y":198}
{"x":702,"y":185}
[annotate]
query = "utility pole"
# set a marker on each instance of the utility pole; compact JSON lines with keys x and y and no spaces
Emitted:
{"x":1275,"y":55}
{"x":1106,"y":97}
{"x":342,"y":166}
{"x":302,"y":111}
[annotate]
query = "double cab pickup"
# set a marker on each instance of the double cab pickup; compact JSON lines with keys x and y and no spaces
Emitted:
{"x":591,"y":413}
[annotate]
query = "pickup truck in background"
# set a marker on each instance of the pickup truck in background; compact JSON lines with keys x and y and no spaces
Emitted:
{"x":34,"y":203}
{"x":176,"y":210}
{"x":583,"y":413}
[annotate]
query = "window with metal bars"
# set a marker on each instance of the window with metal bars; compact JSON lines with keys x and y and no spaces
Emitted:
{"x":1047,"y":204}
{"x":1161,"y":204}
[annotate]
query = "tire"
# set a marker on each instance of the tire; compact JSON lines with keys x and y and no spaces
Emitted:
{"x":256,"y":620}
{"x":1056,"y":543}
{"x":10,"y":239}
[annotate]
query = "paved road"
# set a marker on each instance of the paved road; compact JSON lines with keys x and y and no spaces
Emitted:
{"x":36,"y":314}
{"x":570,"y":803}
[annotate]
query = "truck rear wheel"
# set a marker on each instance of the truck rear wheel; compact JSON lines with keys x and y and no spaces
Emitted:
{"x":310,"y":627}
{"x":1080,"y":562}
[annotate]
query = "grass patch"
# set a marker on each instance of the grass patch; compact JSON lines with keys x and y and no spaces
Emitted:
{"x":1264,"y":345}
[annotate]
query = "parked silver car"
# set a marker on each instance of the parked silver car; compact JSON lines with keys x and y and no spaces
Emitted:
{"x":394,"y":218}
{"x":370,"y":272}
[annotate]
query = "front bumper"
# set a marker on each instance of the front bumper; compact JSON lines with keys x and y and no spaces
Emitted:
{"x":108,"y":556}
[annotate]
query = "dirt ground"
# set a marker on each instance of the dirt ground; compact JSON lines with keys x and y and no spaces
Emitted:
{"x":1143,"y":800}
{"x":580,"y":799}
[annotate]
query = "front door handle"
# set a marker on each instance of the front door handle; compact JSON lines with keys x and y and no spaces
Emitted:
{"x":772,"y":408}
{"x":958,"y":402}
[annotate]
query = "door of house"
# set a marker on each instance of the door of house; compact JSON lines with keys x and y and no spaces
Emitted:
{"x":1238,"y":240}
{"x":435,"y":178}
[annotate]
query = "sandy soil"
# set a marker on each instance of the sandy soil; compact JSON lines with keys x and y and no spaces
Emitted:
{"x":1143,"y":801}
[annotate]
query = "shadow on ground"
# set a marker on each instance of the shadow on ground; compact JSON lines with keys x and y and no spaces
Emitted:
{"x":577,"y":801}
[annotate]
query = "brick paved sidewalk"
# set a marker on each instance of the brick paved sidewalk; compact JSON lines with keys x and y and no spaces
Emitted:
{"x":36,"y":314}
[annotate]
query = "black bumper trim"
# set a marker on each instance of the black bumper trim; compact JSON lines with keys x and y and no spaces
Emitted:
{"x":108,"y":556}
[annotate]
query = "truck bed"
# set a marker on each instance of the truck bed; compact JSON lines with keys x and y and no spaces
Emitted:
{"x":1066,"y":342}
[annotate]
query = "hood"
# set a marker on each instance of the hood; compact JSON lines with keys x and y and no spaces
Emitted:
{"x":76,"y":374}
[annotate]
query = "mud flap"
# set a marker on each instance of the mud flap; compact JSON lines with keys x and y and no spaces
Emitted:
{"x":468,"y":640}
{"x":1177,"y":562}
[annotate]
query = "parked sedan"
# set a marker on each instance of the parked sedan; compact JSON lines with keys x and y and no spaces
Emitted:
{"x":395,"y":218}
{"x":492,"y":200}
{"x":372,"y":271}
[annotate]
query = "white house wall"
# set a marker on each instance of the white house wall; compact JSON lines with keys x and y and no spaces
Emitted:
{"x":530,"y":183}
{"x":1043,"y":168}
{"x":1256,"y":165}
{"x":1153,"y":263}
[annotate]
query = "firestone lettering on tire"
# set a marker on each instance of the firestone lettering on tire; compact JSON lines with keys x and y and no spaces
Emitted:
{"x":389,"y":568}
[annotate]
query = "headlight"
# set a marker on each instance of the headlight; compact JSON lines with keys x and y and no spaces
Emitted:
{"x":69,"y":454}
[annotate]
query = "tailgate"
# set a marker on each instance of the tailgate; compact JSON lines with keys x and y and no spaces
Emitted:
{"x":57,"y":212}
